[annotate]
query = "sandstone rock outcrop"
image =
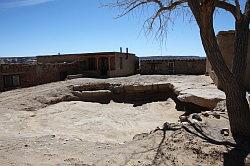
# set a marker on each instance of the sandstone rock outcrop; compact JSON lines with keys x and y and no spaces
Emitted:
{"x":205,"y":98}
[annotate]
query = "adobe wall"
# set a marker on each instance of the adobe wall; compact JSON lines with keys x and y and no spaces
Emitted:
{"x":27,"y":74}
{"x":58,"y":58}
{"x":195,"y":67}
{"x":129,"y":62}
{"x":35,"y":74}
{"x":71,"y":57}
{"x":46,"y":73}
{"x":225,"y":41}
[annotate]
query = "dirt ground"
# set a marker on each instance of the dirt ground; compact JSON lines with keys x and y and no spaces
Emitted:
{"x":39,"y":126}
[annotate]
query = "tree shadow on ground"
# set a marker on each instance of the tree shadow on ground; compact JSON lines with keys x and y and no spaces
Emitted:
{"x":237,"y":152}
{"x":159,"y":158}
{"x":234,"y":157}
{"x":159,"y":153}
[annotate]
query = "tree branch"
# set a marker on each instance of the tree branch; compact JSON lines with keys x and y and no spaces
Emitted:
{"x":133,"y":4}
{"x":162,"y":8}
{"x":228,"y":7}
{"x":247,"y":9}
{"x":196,"y":10}
{"x":130,"y":6}
{"x":241,"y":43}
{"x":173,"y":5}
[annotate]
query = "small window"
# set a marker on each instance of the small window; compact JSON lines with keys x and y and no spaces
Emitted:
{"x":121,"y":63}
{"x":11,"y":81}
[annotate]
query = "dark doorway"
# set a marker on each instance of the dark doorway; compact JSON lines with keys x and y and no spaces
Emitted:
{"x":103,"y":66}
{"x":63,"y":75}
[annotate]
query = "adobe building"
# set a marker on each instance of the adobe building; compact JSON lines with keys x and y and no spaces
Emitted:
{"x":225,"y":41}
{"x":100,"y":64}
{"x":59,"y":67}
{"x":192,"y":65}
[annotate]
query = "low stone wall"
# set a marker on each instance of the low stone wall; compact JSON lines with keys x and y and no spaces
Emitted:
{"x":140,"y":94}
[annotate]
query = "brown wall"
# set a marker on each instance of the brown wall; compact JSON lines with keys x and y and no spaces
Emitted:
{"x":225,"y":40}
{"x":180,"y":67}
{"x":35,"y":74}
{"x":59,"y":58}
{"x":129,"y":62}
{"x":27,"y":74}
{"x":46,"y":73}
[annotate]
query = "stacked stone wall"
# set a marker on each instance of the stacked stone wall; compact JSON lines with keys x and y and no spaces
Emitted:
{"x":189,"y":67}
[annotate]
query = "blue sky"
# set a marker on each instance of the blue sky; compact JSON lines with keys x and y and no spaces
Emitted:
{"x":42,"y":27}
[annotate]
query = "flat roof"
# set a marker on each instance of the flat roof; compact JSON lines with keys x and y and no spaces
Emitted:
{"x":160,"y":58}
{"x":85,"y":54}
{"x":225,"y":32}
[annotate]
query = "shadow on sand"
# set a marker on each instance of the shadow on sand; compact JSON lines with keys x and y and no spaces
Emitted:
{"x":236,"y":155}
{"x":237,"y":152}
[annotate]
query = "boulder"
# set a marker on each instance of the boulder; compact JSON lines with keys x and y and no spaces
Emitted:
{"x":207,"y":98}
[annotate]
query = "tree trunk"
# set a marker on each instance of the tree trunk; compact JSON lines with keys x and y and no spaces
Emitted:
{"x":240,"y":49}
{"x":237,"y":105}
{"x":238,"y":110}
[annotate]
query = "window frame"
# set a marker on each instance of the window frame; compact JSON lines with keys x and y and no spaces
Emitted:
{"x":11,"y":76}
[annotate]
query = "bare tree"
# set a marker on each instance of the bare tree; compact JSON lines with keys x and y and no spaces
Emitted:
{"x":203,"y":11}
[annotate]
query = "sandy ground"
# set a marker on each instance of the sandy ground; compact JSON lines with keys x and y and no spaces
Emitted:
{"x":34,"y":98}
{"x":112,"y":123}
{"x":38,"y":129}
